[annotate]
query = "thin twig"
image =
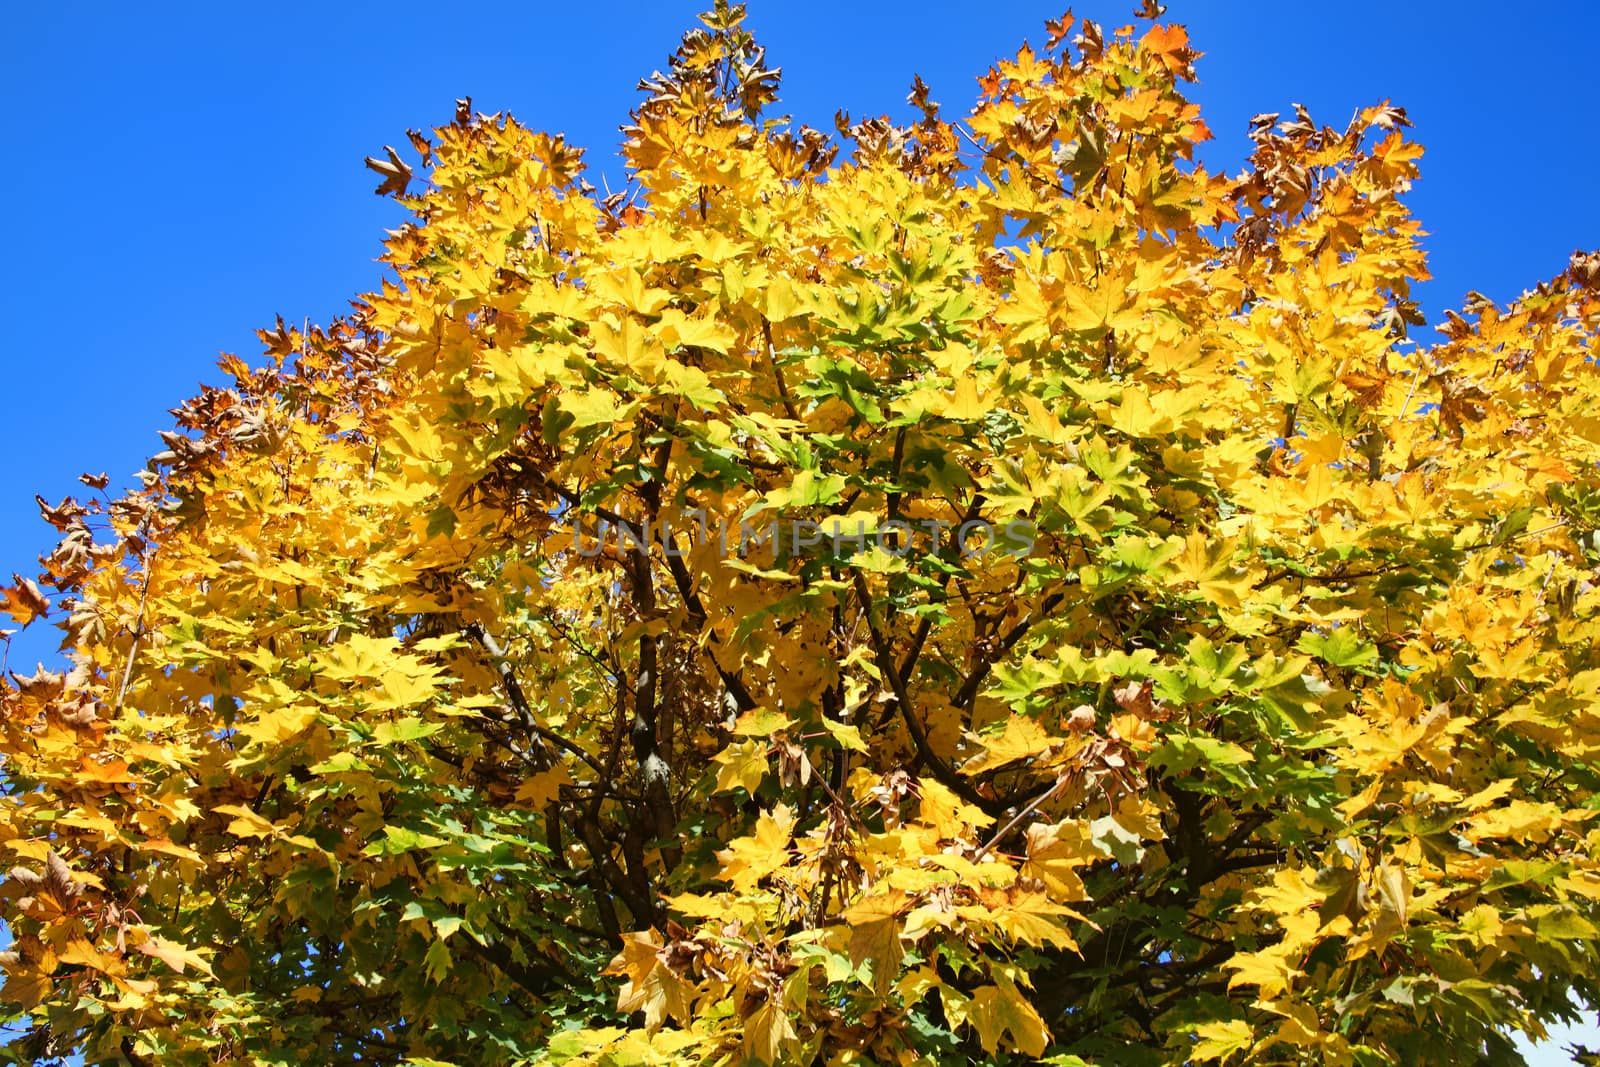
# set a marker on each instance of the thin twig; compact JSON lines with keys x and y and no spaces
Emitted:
{"x":777,"y":371}
{"x":1031,"y":807}
{"x":999,"y":157}
{"x":138,"y":626}
{"x":1415,"y":376}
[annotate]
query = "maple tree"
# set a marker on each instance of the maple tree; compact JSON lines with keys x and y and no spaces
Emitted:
{"x":1273,"y":740}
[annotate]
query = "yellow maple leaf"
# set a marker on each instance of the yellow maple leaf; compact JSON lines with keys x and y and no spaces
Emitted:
{"x":874,"y":926}
{"x":651,"y":987}
{"x":1106,"y":306}
{"x":1021,"y":738}
{"x":1054,"y":852}
{"x":246,"y":823}
{"x":964,"y":404}
{"x":1220,"y":1040}
{"x":949,"y":815}
{"x":173,"y":954}
{"x":743,"y":763}
{"x":747,"y":860}
{"x":541,"y":788}
{"x":1269,"y":971}
{"x":999,"y":1010}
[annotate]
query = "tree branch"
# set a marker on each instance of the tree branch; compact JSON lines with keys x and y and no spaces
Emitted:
{"x":969,"y":689}
{"x":884,"y":656}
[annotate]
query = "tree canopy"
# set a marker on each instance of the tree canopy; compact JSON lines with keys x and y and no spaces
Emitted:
{"x":977,"y":590}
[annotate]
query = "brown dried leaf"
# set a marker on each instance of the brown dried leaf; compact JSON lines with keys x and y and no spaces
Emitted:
{"x":62,"y":516}
{"x":40,"y":685}
{"x":1460,"y":402}
{"x":1056,"y":31}
{"x":23,"y":600}
{"x":395,"y":171}
{"x":1455,"y":327}
{"x":58,"y":879}
{"x":26,"y":877}
{"x":1584,"y":270}
{"x":1091,"y":40}
{"x":1136,"y":697}
{"x":1366,"y":389}
{"x":918,"y":98}
{"x":423,"y":146}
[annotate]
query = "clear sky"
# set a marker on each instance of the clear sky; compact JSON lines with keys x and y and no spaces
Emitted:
{"x":182,"y":173}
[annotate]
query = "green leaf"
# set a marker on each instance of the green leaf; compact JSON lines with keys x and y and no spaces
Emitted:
{"x":1340,"y":647}
{"x":1524,"y":872}
{"x":341,"y":763}
{"x":441,"y":522}
{"x":398,"y":840}
{"x":809,"y":488}
{"x":1556,"y":922}
{"x":407,"y":729}
{"x":848,"y":736}
{"x":1181,"y":753}
{"x":437,"y":962}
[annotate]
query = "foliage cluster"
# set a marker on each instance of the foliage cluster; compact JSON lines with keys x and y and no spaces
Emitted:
{"x":1277,"y":747}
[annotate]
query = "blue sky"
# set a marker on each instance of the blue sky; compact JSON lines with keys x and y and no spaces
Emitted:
{"x":182,"y":173}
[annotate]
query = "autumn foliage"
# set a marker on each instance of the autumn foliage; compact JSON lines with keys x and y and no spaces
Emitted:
{"x":1275,"y":743}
